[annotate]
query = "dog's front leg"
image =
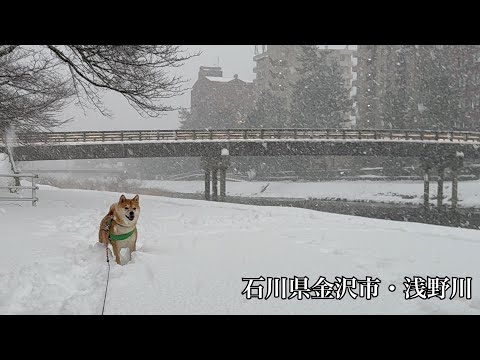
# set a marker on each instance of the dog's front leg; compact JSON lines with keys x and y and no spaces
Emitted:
{"x":116,"y":252}
{"x":133,"y":244}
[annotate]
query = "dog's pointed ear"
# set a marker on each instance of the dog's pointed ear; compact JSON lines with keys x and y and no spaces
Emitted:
{"x":136,"y":198}
{"x":122,"y":199}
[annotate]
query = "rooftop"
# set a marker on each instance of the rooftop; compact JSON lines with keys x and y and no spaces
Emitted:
{"x":224,"y":79}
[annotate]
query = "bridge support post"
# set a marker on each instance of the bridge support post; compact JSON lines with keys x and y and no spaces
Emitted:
{"x":214,"y":184}
{"x":441,"y":175}
{"x":215,"y":168}
{"x":207,"y":184}
{"x":224,"y":163}
{"x":454,"y":187}
{"x":223,"y":183}
{"x":456,"y":164}
{"x":426,"y":188}
{"x":207,"y":166}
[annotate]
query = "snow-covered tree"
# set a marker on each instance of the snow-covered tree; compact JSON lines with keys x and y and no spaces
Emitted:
{"x":440,"y":87}
{"x":186,"y":119}
{"x":320,"y":98}
{"x":270,"y":111}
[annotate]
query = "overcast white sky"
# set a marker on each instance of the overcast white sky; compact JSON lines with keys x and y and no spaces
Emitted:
{"x":234,"y":59}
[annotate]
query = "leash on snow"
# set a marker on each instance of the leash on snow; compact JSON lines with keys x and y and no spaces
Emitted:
{"x":107,"y":228}
{"x":108,"y":278}
{"x":111,"y":237}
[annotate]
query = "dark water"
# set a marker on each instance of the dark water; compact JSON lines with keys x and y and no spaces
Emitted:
{"x":461,"y":217}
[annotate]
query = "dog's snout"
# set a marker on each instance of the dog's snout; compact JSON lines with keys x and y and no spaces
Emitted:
{"x":132,"y":213}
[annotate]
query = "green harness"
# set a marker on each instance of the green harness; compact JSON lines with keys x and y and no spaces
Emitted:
{"x":113,"y":237}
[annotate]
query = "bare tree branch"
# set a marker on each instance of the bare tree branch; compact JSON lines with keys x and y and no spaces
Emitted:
{"x":37,"y":82}
{"x":6,"y":49}
{"x":138,"y":72}
{"x":32,"y":92}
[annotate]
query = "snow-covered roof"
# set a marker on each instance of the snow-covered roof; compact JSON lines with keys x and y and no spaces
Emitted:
{"x":219,"y":79}
{"x":223,"y":79}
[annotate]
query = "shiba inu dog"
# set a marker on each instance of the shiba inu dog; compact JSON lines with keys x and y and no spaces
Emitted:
{"x":119,"y":226}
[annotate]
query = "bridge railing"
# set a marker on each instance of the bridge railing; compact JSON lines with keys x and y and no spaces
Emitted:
{"x":245,"y":134}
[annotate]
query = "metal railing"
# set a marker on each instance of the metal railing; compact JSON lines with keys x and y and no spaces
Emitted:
{"x":33,"y":187}
{"x":245,"y":134}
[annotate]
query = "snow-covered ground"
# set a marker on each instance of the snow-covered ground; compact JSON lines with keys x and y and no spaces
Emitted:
{"x":192,"y":256}
{"x":389,"y":191}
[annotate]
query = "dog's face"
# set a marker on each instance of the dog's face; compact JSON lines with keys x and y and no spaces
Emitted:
{"x":128,"y":210}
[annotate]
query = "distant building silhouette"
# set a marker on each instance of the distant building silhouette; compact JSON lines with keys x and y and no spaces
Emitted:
{"x":220,"y":102}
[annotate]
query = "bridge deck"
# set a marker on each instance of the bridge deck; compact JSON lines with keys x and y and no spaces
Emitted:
{"x":244,"y":142}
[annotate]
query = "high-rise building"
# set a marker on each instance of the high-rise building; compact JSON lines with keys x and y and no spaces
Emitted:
{"x":277,"y":69}
{"x":418,"y":86}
